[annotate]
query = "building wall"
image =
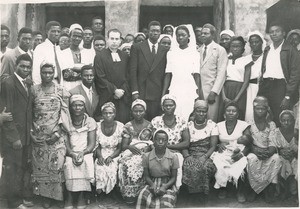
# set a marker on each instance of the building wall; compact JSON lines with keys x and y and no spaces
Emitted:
{"x":251,"y":15}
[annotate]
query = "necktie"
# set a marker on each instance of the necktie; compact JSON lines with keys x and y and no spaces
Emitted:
{"x":25,"y":86}
{"x":153,"y":50}
{"x":57,"y":65}
{"x":91,"y":95}
{"x":204,"y":53}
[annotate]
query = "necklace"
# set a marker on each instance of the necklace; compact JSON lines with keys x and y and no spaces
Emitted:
{"x":199,"y":124}
{"x":77,"y":123}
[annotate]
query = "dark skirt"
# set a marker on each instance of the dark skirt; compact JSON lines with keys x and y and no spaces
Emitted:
{"x":231,"y":89}
{"x":197,"y":172}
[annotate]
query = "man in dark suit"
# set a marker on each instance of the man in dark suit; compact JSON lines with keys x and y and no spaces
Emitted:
{"x":147,"y":70}
{"x":280,"y":72}
{"x":111,"y":79}
{"x":8,"y":64}
{"x":87,"y":89}
{"x":16,"y":97}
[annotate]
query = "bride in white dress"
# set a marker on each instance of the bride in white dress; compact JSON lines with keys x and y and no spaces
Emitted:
{"x":183,"y":70}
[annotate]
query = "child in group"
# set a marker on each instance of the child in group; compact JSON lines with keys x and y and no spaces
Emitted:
{"x":143,"y":142}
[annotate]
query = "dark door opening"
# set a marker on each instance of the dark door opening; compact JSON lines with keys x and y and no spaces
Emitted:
{"x":75,"y":14}
{"x":197,"y":16}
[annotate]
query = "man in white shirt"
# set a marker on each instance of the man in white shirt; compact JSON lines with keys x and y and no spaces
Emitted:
{"x":213,"y":64}
{"x":47,"y":51}
{"x":280,"y":72}
{"x":5,"y":38}
{"x":8,"y":65}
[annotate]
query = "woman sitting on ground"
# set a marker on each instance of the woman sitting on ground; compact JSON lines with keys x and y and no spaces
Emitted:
{"x":160,"y":172}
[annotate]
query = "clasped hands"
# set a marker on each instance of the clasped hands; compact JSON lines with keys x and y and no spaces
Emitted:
{"x":77,"y":158}
{"x":158,"y":191}
{"x":102,"y":161}
{"x":118,"y":93}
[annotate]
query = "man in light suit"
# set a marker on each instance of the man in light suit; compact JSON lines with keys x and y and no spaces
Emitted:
{"x":16,"y":97}
{"x":147,"y":70}
{"x":8,"y":64}
{"x":213,"y":64}
{"x":87,"y":89}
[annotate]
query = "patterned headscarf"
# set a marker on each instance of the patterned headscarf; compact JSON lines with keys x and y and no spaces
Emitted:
{"x":167,"y":96}
{"x":200,"y":103}
{"x":139,"y":102}
{"x":289,"y":112}
{"x":261,"y":101}
{"x":160,"y":130}
{"x":77,"y":97}
{"x":108,"y":104}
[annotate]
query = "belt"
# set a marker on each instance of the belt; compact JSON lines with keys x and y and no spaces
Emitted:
{"x":255,"y":81}
{"x":273,"y":79}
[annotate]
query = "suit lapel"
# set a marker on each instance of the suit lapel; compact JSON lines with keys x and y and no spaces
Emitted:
{"x":95,"y":99}
{"x":146,"y":51}
{"x":157,"y":58}
{"x":208,"y":55}
{"x":87,"y":102}
{"x":109,"y":57}
{"x":20,"y":87}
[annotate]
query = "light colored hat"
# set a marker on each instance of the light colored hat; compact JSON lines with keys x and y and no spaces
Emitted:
{"x":139,"y":33}
{"x":227,"y":32}
{"x":164,"y":35}
{"x":108,"y":104}
{"x":139,"y":102}
{"x":168,"y":96}
{"x":77,"y":97}
{"x":75,"y":26}
{"x":261,"y":101}
{"x":169,"y":25}
{"x":290,"y":112}
{"x":125,"y":45}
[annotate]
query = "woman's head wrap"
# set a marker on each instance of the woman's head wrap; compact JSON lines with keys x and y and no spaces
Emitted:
{"x":164,"y":35}
{"x":169,"y":25}
{"x":160,"y":131}
{"x":125,"y":45}
{"x":167,"y":96}
{"x":77,"y":97}
{"x":289,"y":112}
{"x":108,"y":104}
{"x":259,"y":34}
{"x":139,"y":102}
{"x":200,"y":103}
{"x":227,"y":32}
{"x":75,"y":26}
{"x":261,"y":101}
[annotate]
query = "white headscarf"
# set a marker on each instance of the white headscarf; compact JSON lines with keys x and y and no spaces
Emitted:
{"x":256,"y":32}
{"x":192,"y":38}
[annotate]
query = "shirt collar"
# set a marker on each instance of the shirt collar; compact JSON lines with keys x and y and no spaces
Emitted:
{"x":151,"y":44}
{"x":21,"y":50}
{"x":167,"y":154}
{"x":20,"y":79}
{"x":279,"y":47}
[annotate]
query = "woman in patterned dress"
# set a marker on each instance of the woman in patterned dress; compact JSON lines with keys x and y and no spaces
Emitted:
{"x":130,"y":166}
{"x":263,"y":161}
{"x":287,"y":146}
{"x":198,"y":168}
{"x":48,"y":137}
{"x":109,"y":147}
{"x":177,"y":130}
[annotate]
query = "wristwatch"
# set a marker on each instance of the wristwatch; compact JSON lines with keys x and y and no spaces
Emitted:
{"x":287,"y":97}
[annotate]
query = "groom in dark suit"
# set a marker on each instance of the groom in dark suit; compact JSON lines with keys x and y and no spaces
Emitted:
{"x":147,"y":70}
{"x":16,"y":97}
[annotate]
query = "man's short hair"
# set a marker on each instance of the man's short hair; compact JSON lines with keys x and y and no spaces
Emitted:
{"x":24,"y":57}
{"x":154,"y":23}
{"x":87,"y":67}
{"x":278,"y":24}
{"x":99,"y":37}
{"x":24,"y":30}
{"x":97,"y":18}
{"x":50,"y":24}
{"x":115,"y":31}
{"x":4,"y":27}
{"x":211,"y":28}
{"x":87,"y":28}
{"x":35,"y":33}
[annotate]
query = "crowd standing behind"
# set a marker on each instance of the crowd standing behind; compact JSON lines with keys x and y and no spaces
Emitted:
{"x":148,"y":114}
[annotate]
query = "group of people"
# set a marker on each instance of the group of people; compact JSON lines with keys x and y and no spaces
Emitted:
{"x":148,"y":114}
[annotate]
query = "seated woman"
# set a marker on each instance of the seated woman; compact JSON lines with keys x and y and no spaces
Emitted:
{"x":130,"y":166}
{"x":160,"y":171}
{"x":79,"y":165}
{"x":230,"y":160}
{"x":50,"y":101}
{"x":287,"y":146}
{"x":176,"y":127}
{"x":198,"y":168}
{"x":263,"y":162}
{"x":109,"y":147}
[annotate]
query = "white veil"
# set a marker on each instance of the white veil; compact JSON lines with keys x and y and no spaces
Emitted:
{"x":192,"y":43}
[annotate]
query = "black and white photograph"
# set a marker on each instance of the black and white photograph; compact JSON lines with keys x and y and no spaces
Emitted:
{"x":139,"y":104}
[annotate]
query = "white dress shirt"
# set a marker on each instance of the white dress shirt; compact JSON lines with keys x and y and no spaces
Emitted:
{"x":151,"y":44}
{"x":89,"y":92}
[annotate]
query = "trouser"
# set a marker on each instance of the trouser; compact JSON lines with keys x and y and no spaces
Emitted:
{"x":274,"y":91}
{"x":122,"y":110}
{"x":17,"y":176}
{"x":153,"y":109}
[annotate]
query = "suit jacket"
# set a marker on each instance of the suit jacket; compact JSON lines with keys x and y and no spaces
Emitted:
{"x":147,"y":73}
{"x":19,"y":103}
{"x":213,"y":69}
{"x":290,"y":64}
{"x":8,"y":64}
{"x":89,"y":107}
